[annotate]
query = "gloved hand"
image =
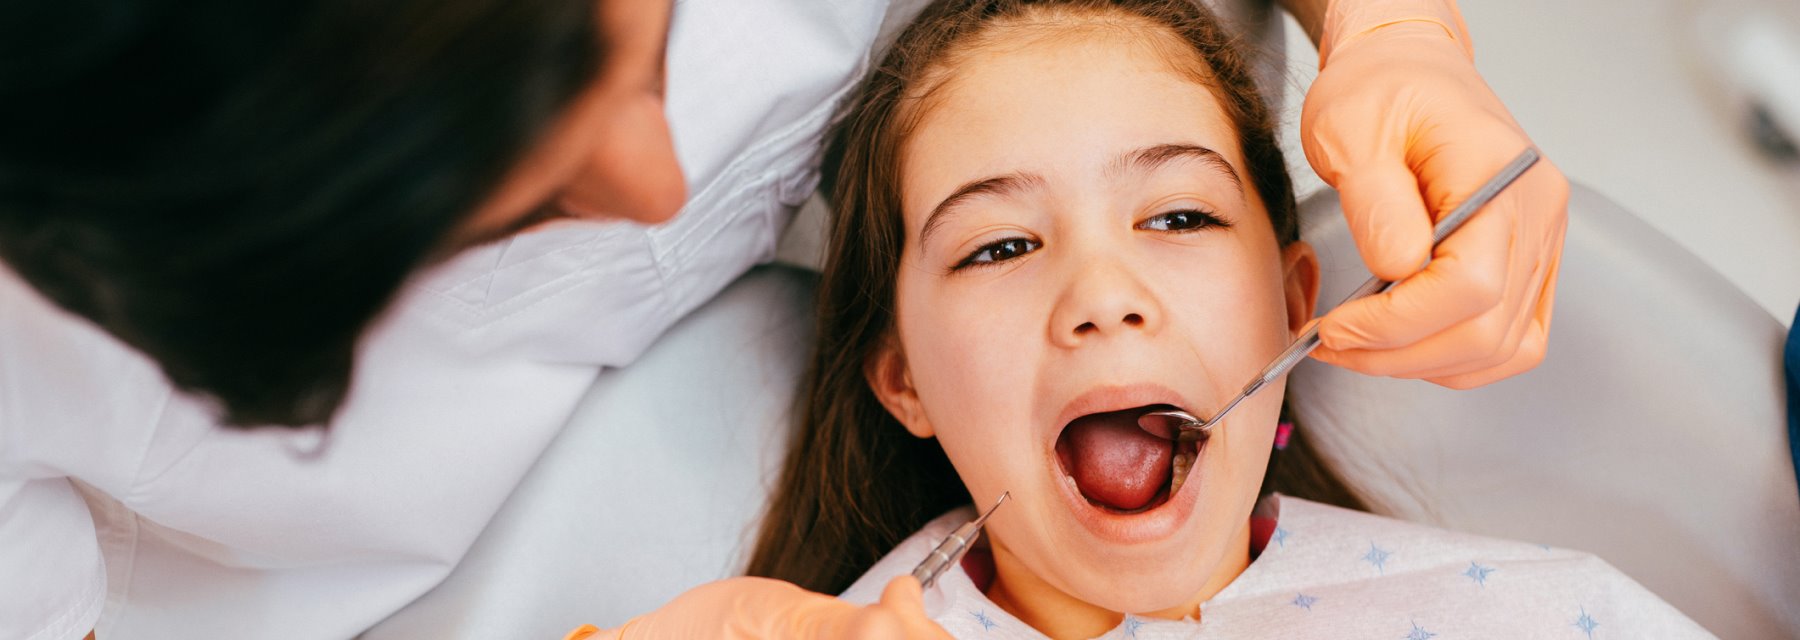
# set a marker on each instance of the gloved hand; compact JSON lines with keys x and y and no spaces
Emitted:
{"x":746,"y":608}
{"x":1405,"y":129}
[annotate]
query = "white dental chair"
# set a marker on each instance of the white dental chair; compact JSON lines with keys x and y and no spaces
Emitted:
{"x":1652,"y":436}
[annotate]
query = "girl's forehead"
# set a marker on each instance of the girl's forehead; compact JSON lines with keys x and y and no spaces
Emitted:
{"x":1061,"y":105}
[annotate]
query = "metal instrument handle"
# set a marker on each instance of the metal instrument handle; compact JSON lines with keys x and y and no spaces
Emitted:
{"x":954,"y":546}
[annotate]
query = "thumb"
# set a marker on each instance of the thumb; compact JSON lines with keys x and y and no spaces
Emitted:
{"x":904,"y":594}
{"x":900,"y":614}
{"x":1387,"y":217}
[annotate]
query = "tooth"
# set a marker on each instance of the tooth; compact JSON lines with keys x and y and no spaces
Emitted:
{"x":1183,"y":463}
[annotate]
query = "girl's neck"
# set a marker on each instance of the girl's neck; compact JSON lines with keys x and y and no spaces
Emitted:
{"x":1060,"y":615}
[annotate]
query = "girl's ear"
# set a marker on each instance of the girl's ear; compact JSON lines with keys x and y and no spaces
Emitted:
{"x":1300,"y":278}
{"x":891,"y":381}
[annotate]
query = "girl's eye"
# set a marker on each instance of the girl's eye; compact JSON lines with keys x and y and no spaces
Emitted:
{"x":997,"y":252}
{"x":1182,"y":221}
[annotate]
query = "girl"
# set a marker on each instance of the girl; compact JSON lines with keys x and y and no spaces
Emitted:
{"x":1050,"y":218}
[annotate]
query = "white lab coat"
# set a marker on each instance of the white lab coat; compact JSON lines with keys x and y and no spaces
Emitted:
{"x":1327,"y":572}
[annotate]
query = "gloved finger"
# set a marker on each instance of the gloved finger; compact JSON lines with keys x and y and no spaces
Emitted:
{"x":743,"y":607}
{"x":1393,"y":363}
{"x":1482,"y":342}
{"x":1387,"y":217}
{"x":1534,"y":309}
{"x":1530,"y":354}
{"x":905,"y":594}
{"x":1468,"y":277}
{"x":1479,"y":358}
{"x":1472,"y":344}
{"x":1538,"y":242}
{"x":1533,"y":346}
{"x":1461,"y":154}
{"x":900,"y":615}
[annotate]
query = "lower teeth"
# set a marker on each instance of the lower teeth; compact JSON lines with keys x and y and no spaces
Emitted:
{"x":1183,"y":463}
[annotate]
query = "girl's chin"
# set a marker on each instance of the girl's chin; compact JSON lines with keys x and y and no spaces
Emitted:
{"x":1101,"y":589}
{"x":1171,"y":600}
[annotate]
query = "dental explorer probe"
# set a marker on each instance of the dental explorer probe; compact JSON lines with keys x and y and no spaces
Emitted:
{"x":1189,"y":428}
{"x":953,"y":548}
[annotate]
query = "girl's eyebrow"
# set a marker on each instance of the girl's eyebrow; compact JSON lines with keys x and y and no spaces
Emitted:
{"x":1150,"y":158}
{"x":1143,"y":160}
{"x":994,"y":186}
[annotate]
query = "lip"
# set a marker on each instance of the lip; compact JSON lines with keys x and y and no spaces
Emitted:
{"x":1135,"y":528}
{"x":1117,"y":398}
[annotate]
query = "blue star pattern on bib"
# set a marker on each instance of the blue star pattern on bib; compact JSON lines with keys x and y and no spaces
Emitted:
{"x":982,"y":618}
{"x":1478,"y":573}
{"x":1586,"y":623}
{"x":1377,"y":556}
{"x":1419,"y":633}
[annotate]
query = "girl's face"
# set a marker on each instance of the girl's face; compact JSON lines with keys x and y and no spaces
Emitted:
{"x":1082,"y":238}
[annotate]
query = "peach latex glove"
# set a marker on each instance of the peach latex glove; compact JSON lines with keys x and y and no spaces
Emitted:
{"x":746,"y":608}
{"x":1405,"y":129}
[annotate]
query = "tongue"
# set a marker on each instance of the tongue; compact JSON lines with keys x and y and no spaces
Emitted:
{"x":1114,"y":462}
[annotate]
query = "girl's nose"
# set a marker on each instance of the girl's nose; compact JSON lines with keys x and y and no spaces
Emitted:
{"x":1103,"y":300}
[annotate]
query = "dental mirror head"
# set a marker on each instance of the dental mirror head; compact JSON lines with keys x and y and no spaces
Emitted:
{"x":1182,"y":426}
{"x":1176,"y":425}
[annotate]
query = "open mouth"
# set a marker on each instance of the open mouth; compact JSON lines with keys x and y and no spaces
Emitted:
{"x":1119,"y":467}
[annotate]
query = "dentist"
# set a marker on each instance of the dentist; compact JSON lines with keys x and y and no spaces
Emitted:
{"x":429,"y":225}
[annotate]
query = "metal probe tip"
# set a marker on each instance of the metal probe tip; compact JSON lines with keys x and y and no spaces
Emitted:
{"x":983,"y":519}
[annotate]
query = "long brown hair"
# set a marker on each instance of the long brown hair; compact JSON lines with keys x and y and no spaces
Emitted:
{"x":855,"y":482}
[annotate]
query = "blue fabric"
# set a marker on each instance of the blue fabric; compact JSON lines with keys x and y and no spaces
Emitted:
{"x":1793,"y":391}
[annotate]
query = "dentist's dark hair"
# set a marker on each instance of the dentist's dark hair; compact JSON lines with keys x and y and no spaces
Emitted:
{"x":855,"y":482}
{"x":238,"y":188}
